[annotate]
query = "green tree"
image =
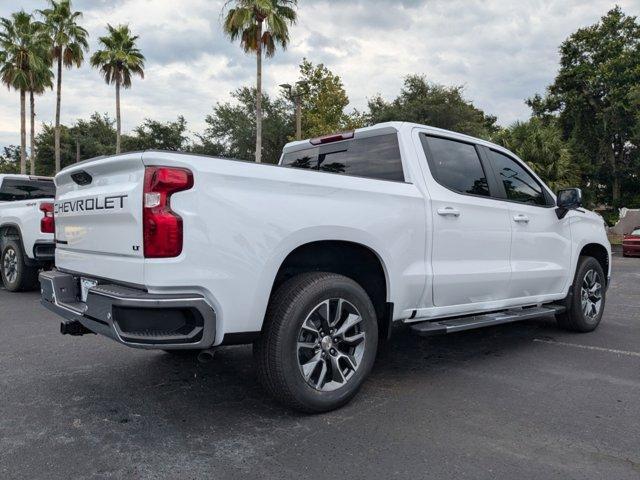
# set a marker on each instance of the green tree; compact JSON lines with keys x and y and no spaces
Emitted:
{"x":593,"y":95}
{"x":69,"y":42}
{"x":427,"y":103}
{"x":154,"y":135}
{"x":24,"y":56}
{"x":260,"y":25}
{"x":541,"y":145}
{"x":324,"y":100}
{"x":45,"y":163}
{"x":10,"y":159}
{"x":231,"y":127}
{"x":118,"y":60}
{"x":94,"y":137}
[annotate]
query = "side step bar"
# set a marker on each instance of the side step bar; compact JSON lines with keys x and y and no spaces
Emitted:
{"x":437,"y":327}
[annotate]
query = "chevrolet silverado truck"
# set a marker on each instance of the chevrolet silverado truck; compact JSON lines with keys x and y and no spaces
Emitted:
{"x":26,"y":229}
{"x":314,"y":259}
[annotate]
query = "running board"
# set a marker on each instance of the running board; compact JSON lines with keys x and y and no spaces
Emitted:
{"x":437,"y":327}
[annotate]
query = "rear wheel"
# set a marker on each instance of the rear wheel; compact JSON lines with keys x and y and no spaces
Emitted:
{"x":586,"y":306}
{"x":16,"y":275}
{"x":319,"y":342}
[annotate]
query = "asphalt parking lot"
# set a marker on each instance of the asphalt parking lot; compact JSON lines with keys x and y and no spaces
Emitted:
{"x":520,"y":401}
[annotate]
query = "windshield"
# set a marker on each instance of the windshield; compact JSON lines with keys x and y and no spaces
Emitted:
{"x":16,"y":189}
{"x":636,"y":232}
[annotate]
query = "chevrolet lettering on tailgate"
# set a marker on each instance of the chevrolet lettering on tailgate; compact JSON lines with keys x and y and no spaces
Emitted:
{"x":90,"y":204}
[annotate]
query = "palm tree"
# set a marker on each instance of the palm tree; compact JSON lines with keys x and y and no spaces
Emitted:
{"x":539,"y":142}
{"x":260,"y":25}
{"x":24,"y":48}
{"x":119,"y":60}
{"x":69,"y":42}
{"x":39,"y":81}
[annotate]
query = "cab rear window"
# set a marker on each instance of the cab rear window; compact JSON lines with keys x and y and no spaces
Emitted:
{"x":13,"y":190}
{"x":372,"y":157}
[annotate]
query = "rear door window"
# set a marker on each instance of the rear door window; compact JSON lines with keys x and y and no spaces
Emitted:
{"x":455,"y":165}
{"x":14,"y":189}
{"x":372,"y":157}
{"x":519,"y":185}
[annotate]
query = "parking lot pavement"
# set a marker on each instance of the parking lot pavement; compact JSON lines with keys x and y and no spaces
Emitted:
{"x":518,"y":401}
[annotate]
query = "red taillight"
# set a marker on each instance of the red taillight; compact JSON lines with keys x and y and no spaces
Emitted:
{"x":162,"y":229}
{"x":47,"y":222}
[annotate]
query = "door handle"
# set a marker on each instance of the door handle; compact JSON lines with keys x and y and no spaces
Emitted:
{"x":448,"y":212}
{"x":521,"y":219}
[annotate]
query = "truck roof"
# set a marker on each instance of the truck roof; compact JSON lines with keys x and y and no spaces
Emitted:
{"x":389,"y":127}
{"x":23,"y":177}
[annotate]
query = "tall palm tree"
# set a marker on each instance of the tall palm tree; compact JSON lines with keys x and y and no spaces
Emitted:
{"x":119,"y":60}
{"x":24,"y":48}
{"x":260,"y":25}
{"x":69,"y":42}
{"x":39,"y":80}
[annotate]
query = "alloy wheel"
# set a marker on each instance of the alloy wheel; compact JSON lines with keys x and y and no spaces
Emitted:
{"x":331,"y":344}
{"x":10,"y":265}
{"x":591,"y":294}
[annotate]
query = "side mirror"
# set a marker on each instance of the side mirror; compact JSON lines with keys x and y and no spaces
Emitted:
{"x":568,"y":199}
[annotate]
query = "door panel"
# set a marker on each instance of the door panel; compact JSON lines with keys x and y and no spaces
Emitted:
{"x":471,"y":233}
{"x":470,"y":257}
{"x":540,"y":251}
{"x":541,"y":244}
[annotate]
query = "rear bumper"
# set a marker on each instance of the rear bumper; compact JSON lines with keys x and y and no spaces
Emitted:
{"x":130,"y":316}
{"x":44,"y":251}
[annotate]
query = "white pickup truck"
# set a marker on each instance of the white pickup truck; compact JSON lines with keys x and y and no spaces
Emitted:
{"x":312,"y":260}
{"x":26,"y":229}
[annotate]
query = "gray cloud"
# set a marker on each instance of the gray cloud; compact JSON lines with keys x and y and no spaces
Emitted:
{"x":501,"y":51}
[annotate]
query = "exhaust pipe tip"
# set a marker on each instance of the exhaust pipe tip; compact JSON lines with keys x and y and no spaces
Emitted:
{"x":206,"y":356}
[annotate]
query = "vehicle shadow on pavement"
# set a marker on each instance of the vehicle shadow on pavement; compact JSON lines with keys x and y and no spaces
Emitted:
{"x":226,"y":390}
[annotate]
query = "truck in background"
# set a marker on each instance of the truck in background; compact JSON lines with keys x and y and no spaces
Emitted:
{"x":26,"y":229}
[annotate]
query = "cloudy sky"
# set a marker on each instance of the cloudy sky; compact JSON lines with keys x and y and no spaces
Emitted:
{"x":503,"y":51}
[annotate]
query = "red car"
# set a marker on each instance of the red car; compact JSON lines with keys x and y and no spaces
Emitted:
{"x":631,"y":243}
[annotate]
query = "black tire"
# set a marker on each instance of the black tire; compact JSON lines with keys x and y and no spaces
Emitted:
{"x":277,"y":355}
{"x":17,"y":276}
{"x":574,"y":318}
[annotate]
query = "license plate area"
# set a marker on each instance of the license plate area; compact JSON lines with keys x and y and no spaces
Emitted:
{"x":85,"y":285}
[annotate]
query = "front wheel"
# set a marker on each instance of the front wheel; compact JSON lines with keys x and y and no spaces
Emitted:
{"x":319,"y":342}
{"x":586,"y":306}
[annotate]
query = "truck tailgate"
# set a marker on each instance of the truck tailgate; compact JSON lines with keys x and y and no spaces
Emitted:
{"x":98,"y":217}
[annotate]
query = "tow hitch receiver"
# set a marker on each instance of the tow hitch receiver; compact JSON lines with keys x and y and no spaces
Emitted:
{"x":74,"y":328}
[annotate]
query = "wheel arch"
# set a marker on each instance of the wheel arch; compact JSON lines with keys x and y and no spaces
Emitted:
{"x":10,"y":230}
{"x":352,"y":259}
{"x":600,"y":253}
